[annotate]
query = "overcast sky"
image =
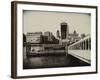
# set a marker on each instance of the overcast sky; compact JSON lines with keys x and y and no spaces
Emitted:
{"x":34,"y":21}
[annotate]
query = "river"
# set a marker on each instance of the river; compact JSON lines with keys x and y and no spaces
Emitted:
{"x":51,"y":61}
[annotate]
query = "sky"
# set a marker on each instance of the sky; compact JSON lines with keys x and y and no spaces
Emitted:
{"x":34,"y":21}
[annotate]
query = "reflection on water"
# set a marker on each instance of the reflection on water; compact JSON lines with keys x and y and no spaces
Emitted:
{"x":48,"y":61}
{"x":51,"y":61}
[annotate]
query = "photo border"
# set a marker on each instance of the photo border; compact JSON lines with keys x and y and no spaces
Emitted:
{"x":14,"y":37}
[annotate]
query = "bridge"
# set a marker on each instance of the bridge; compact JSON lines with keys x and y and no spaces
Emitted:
{"x":81,"y":49}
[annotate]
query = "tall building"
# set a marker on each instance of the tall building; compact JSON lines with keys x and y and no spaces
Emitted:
{"x":64,"y":30}
{"x":58,"y":34}
{"x":49,"y":38}
{"x":48,"y":35}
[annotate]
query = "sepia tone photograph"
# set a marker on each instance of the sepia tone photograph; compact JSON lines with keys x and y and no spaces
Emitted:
{"x":53,"y":39}
{"x":56,"y":39}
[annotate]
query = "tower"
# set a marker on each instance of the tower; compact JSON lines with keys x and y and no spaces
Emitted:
{"x":64,"y":35}
{"x":58,"y":35}
{"x":64,"y":30}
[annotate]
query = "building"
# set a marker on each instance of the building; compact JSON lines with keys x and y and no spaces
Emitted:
{"x":33,"y":42}
{"x":48,"y":35}
{"x":34,"y":37}
{"x":83,"y":35}
{"x":49,"y":46}
{"x":64,"y":30}
{"x":58,"y":34}
{"x":49,"y":38}
{"x":73,"y":37}
{"x":64,"y":34}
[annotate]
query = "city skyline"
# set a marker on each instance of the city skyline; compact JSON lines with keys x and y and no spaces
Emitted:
{"x":56,"y":34}
{"x":43,"y":33}
{"x":37,"y":21}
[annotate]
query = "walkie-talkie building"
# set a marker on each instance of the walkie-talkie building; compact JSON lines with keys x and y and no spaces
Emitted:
{"x":64,"y":30}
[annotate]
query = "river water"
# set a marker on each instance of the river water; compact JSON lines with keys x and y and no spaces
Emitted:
{"x":51,"y":61}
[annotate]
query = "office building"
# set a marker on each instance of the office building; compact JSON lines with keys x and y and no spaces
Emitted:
{"x":64,"y":30}
{"x":35,"y":37}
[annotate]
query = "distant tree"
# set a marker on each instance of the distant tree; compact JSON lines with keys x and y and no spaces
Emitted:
{"x":24,"y":38}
